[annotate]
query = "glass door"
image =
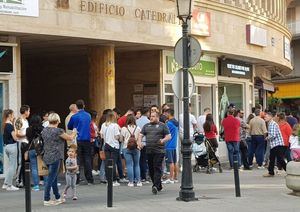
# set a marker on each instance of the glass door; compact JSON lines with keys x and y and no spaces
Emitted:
{"x":1,"y":136}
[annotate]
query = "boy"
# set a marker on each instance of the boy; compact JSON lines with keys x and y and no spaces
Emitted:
{"x":72,"y":168}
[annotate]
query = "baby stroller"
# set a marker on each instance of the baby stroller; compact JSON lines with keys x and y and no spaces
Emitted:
{"x":205,"y":154}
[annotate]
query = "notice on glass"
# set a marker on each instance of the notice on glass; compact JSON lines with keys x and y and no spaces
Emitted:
{"x":138,"y":88}
{"x":138,"y":100}
{"x":150,"y":100}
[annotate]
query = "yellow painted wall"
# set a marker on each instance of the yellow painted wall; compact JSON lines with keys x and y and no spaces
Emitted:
{"x":288,"y":90}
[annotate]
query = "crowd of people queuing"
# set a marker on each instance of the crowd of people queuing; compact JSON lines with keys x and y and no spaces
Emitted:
{"x":270,"y":137}
{"x":143,"y":145}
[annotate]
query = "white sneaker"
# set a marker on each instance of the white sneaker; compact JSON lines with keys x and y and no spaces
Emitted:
{"x":12,"y":188}
{"x":49,"y":203}
{"x":260,"y":167}
{"x":4,"y":186}
{"x":130,"y":185}
{"x":176,"y":181}
{"x":116,"y":184}
{"x":139,"y":184}
{"x":123,"y":180}
{"x":168,"y":181}
{"x":95,"y":173}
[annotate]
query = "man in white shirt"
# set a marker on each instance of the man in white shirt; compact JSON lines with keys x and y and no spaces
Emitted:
{"x":21,"y":125}
{"x":201,"y":119}
{"x":193,"y":123}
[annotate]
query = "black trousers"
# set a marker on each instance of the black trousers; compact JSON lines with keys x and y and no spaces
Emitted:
{"x":84,"y":156}
{"x":155,"y":168}
{"x":244,"y":154}
{"x":111,"y":153}
{"x":279,"y":153}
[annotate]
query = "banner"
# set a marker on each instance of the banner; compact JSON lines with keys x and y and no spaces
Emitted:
{"x":20,"y":7}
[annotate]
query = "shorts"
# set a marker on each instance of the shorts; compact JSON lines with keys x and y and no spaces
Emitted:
{"x":295,"y":154}
{"x":171,"y":156}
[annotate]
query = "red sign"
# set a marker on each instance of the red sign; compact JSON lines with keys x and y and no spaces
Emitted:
{"x":200,"y":23}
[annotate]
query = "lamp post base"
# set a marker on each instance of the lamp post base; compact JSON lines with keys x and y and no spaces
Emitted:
{"x":187,"y":196}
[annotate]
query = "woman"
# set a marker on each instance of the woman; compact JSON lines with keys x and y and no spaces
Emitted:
{"x":54,"y":139}
{"x":286,"y":132}
{"x":10,"y":148}
{"x":132,"y":157}
{"x":34,"y":131}
{"x":110,"y":132}
{"x":211,"y":131}
{"x":248,"y":138}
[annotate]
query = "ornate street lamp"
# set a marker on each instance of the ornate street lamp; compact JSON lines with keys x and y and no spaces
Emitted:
{"x":186,"y":190}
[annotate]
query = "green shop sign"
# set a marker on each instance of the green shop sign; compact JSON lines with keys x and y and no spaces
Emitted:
{"x":203,"y":68}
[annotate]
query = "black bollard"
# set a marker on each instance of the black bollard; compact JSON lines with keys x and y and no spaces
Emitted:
{"x":109,"y":177}
{"x":27,"y":187}
{"x":236,"y":176}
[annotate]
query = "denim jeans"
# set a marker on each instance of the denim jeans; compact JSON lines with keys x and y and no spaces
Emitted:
{"x":11,"y":151}
{"x":52,"y":181}
{"x":34,"y":168}
{"x":102,"y":170}
{"x":257,"y":148}
{"x":143,"y":163}
{"x":132,"y":158}
{"x":233,"y":149}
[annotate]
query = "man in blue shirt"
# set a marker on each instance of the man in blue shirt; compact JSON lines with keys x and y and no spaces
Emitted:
{"x":81,"y":122}
{"x":171,"y":145}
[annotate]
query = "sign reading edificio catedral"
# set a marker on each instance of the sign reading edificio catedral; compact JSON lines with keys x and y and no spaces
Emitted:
{"x":98,"y":7}
{"x":20,"y":7}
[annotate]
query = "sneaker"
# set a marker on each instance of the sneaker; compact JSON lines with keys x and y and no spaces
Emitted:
{"x":123,"y":180}
{"x":4,"y":186}
{"x":260,"y":167}
{"x":168,"y":181}
{"x":20,"y":185}
{"x":75,"y":198}
{"x":49,"y":203}
{"x":154,"y":190}
{"x":268,"y":175}
{"x":36,"y":188}
{"x":103,"y":181}
{"x":116,"y":184}
{"x":12,"y":188}
{"x":41,"y":183}
{"x":144,"y":181}
{"x":139,"y":184}
{"x":130,"y":185}
{"x":58,"y":184}
{"x":176,"y":181}
{"x":95,"y":173}
{"x":59,"y":201}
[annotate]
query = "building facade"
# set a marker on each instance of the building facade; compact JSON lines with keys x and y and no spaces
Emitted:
{"x":120,"y":53}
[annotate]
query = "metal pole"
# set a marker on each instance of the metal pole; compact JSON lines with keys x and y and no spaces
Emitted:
{"x":236,"y":176}
{"x":186,"y":193}
{"x":109,"y":176}
{"x":27,"y":187}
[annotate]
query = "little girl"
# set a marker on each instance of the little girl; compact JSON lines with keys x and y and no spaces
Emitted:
{"x":72,"y":168}
{"x":295,"y":144}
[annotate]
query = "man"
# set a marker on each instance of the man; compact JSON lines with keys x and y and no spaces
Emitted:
{"x":290,"y":119}
{"x":117,"y":113}
{"x":73,"y":110}
{"x":231,"y":128}
{"x":163,"y":117}
{"x":21,"y":125}
{"x":239,"y":114}
{"x":258,"y":131}
{"x":81,"y":122}
{"x":201,"y":119}
{"x":276,"y":144}
{"x":123,"y":119}
{"x":192,"y":124}
{"x":141,"y":122}
{"x":171,"y":155}
{"x":157,"y":134}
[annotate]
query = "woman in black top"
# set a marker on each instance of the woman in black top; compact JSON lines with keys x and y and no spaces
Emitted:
{"x":32,"y":132}
{"x":11,"y":149}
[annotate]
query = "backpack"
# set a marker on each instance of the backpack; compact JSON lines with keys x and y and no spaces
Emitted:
{"x":132,"y":142}
{"x":38,"y":144}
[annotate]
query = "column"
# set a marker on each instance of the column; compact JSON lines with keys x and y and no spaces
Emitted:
{"x":101,"y":78}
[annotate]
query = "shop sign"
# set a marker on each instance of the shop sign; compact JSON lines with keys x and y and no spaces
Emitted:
{"x":203,"y":68}
{"x":256,"y":35}
{"x":20,"y":7}
{"x":6,"y":59}
{"x":287,"y":48}
{"x":235,"y":68}
{"x":200,"y":23}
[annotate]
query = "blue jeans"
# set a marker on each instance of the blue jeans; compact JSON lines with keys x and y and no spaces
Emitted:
{"x":34,"y":168}
{"x":143,"y":163}
{"x":132,"y":158}
{"x":257,"y":148}
{"x":52,"y":181}
{"x":233,"y":149}
{"x":11,"y":151}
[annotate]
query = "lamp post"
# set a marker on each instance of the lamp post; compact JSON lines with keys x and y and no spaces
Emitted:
{"x":186,"y":190}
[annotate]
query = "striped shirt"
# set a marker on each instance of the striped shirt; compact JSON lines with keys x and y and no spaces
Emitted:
{"x":274,"y":135}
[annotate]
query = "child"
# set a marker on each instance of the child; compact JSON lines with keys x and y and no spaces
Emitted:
{"x":295,"y":145}
{"x":72,"y":168}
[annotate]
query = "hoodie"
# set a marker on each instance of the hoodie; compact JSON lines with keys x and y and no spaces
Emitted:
{"x":173,"y":126}
{"x":286,"y":132}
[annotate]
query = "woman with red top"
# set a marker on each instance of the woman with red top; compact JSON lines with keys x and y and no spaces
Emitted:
{"x":286,"y":132}
{"x":211,"y":131}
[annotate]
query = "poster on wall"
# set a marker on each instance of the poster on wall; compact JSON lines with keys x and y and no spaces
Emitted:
{"x":150,"y":100}
{"x":20,"y":7}
{"x":138,"y":100}
{"x":287,"y":48}
{"x":200,"y":23}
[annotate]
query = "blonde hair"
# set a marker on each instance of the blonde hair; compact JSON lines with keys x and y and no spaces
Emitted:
{"x":54,"y":118}
{"x":296,"y":129}
{"x":110,"y":118}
